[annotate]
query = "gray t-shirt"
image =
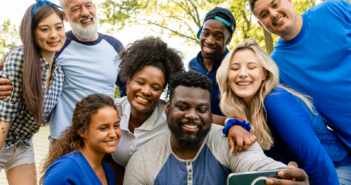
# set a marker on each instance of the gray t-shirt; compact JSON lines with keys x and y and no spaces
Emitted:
{"x":155,"y":163}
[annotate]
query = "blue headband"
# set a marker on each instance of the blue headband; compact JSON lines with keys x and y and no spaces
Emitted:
{"x":41,"y":3}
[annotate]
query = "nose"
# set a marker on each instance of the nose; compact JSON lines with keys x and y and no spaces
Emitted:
{"x":84,"y":12}
{"x":53,"y":34}
{"x":243,"y":72}
{"x":146,"y":90}
{"x":192,"y":114}
{"x":210,"y":39}
{"x":112,"y":133}
{"x":273,"y":14}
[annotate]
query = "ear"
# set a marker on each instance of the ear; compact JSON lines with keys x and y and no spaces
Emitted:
{"x":128,"y":82}
{"x":229,"y":39}
{"x":167,"y":108}
{"x":259,"y":23}
{"x":64,"y":16}
{"x":81,"y":134}
{"x":265,"y":73}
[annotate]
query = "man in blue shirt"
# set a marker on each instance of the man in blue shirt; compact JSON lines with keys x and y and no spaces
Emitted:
{"x":216,"y":32}
{"x":195,"y":151}
{"x":314,"y":57}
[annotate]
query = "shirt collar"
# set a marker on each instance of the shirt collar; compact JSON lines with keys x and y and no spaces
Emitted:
{"x":45,"y":65}
{"x":216,"y":64}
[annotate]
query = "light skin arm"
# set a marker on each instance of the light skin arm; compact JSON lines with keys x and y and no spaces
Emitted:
{"x":4,"y":130}
{"x":4,"y":89}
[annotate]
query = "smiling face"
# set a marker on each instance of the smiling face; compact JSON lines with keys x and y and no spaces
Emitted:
{"x":104,"y":131}
{"x":213,"y":39}
{"x":50,"y":34}
{"x":245,"y":74}
{"x":189,"y":115}
{"x":277,"y":17}
{"x":145,"y":89}
{"x":81,"y":14}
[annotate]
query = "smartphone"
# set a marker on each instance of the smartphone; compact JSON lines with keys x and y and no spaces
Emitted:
{"x":252,"y":178}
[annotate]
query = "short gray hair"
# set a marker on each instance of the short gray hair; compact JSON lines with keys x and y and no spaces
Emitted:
{"x":62,"y":3}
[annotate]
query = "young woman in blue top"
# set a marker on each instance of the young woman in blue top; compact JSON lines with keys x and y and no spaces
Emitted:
{"x":285,"y":122}
{"x":37,"y":84}
{"x":77,"y":157}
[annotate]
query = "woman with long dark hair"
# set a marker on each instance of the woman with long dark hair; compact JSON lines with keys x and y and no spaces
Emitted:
{"x":37,"y":83}
{"x":76,"y":157}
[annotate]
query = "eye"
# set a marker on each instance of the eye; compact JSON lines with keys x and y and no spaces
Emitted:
{"x":219,"y":37}
{"x":44,"y":29}
{"x":275,"y":5}
{"x":156,"y":88}
{"x":116,"y":126}
{"x":103,"y":128}
{"x":234,"y":68}
{"x":205,"y":33}
{"x":140,"y":83}
{"x":203,"y":110}
{"x":182,"y":108}
{"x":59,"y":27}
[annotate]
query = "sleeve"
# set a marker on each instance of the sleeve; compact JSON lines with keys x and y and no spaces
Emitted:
{"x":253,"y":160}
{"x":12,"y":70}
{"x":64,"y":171}
{"x":342,"y":8}
{"x":122,"y":86}
{"x":294,"y":126}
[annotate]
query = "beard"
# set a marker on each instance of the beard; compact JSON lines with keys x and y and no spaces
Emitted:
{"x":184,"y":138}
{"x":85,"y":32}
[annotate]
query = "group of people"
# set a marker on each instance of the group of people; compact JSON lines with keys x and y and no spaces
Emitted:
{"x":233,"y":111}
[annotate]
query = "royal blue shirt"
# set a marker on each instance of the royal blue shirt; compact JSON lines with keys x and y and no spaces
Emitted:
{"x":196,"y":65}
{"x":74,"y":169}
{"x":303,"y":137}
{"x":317,"y":62}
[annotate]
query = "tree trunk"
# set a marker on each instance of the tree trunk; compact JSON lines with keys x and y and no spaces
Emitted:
{"x":268,"y":40}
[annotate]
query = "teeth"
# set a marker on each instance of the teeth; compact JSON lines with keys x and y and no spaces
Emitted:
{"x":111,"y":142}
{"x":142,"y":99}
{"x":189,"y":126}
{"x":244,"y":83}
{"x":279,"y":20}
{"x":85,"y":21}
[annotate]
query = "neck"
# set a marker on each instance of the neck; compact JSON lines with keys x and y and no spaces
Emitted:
{"x":208,"y":63}
{"x":94,"y":158}
{"x":137,"y":118}
{"x":49,"y":57}
{"x":93,"y":38}
{"x":182,"y":151}
{"x":295,"y":31}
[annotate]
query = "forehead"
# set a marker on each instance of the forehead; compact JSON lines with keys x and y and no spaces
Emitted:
{"x":215,"y":25}
{"x":261,"y":5}
{"x":70,"y":3}
{"x":50,"y":20}
{"x":191,"y":95}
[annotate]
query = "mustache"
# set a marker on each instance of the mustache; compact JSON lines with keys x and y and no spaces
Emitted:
{"x":190,"y":122}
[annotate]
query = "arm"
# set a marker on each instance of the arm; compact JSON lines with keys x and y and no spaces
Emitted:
{"x":217,"y":119}
{"x":294,"y":126}
{"x":4,"y":130}
{"x":4,"y":89}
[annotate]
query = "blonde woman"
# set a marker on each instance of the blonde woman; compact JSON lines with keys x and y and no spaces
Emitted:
{"x":285,"y":122}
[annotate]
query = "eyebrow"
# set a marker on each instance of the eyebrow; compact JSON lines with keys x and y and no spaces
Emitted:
{"x":265,"y":9}
{"x":48,"y":25}
{"x":184,"y":102}
{"x":221,"y":32}
{"x":247,"y":63}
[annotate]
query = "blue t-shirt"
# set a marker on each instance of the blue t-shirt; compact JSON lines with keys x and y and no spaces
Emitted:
{"x":317,"y":62}
{"x":303,"y":137}
{"x":89,"y":67}
{"x":196,"y":65}
{"x":73,"y":168}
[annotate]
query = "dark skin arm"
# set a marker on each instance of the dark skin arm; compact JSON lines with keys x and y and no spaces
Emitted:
{"x":5,"y":90}
{"x":298,"y":176}
{"x":117,"y":169}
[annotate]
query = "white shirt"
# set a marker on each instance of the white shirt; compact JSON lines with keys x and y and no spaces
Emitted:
{"x":131,"y":142}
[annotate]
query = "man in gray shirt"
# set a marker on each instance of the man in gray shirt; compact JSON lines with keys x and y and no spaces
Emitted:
{"x":195,"y":151}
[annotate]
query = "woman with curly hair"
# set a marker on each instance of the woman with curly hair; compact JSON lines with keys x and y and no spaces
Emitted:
{"x":77,"y":157}
{"x":286,"y":124}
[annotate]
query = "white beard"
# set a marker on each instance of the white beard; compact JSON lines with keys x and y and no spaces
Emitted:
{"x":84,"y":32}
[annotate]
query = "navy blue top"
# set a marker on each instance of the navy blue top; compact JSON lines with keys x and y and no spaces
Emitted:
{"x":73,"y":168}
{"x":196,"y":65}
{"x":303,"y":137}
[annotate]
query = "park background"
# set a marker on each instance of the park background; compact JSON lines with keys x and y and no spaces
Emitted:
{"x":174,"y":21}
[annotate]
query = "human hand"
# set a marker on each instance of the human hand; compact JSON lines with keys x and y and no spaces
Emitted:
{"x":5,"y":89}
{"x":240,"y":137}
{"x":291,"y":176}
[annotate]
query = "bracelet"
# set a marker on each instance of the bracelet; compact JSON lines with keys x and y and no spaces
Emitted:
{"x":232,"y":122}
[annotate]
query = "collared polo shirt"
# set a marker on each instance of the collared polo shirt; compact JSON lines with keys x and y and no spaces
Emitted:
{"x":131,"y":142}
{"x":196,"y":65}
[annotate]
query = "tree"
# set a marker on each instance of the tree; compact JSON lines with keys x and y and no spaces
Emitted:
{"x":8,"y":38}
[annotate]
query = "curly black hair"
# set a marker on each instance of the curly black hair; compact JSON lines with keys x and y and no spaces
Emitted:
{"x":150,"y":51}
{"x":189,"y":79}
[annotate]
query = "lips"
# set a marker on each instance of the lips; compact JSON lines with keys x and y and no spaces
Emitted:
{"x":143,"y":99}
{"x":243,"y":83}
{"x":278,"y":21}
{"x":208,"y":49}
{"x":53,"y":43}
{"x":190,"y":126}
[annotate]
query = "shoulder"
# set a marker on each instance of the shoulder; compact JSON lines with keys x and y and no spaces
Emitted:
{"x":336,"y":7}
{"x":15,"y":57}
{"x":63,"y":169}
{"x":278,"y":94}
{"x":115,"y":43}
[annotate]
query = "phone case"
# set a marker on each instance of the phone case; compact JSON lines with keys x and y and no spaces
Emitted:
{"x":251,"y":178}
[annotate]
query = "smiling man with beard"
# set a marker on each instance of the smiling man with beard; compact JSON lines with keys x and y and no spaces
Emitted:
{"x":195,"y":151}
{"x":216,"y":32}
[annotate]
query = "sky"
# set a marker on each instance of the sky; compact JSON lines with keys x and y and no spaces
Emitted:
{"x":15,"y":10}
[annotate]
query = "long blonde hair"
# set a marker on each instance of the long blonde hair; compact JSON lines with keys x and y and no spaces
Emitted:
{"x":234,"y":107}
